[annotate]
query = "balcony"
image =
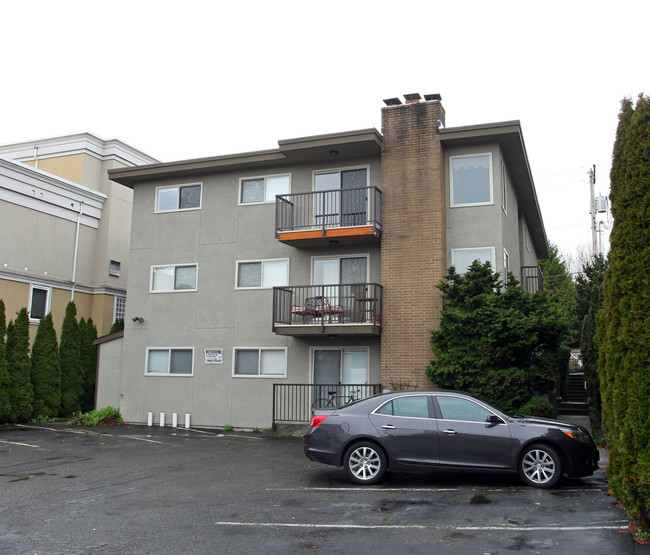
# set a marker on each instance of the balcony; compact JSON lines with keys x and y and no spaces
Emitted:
{"x":346,"y":309}
{"x":532,"y":279}
{"x":343,"y":215}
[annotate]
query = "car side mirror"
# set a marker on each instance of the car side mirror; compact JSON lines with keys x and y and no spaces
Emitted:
{"x":493,"y":420}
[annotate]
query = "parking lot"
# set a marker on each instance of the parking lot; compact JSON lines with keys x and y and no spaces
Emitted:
{"x":135,"y":489}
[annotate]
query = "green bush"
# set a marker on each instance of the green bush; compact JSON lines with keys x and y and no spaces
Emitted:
{"x":101,"y":417}
{"x":538,"y":406}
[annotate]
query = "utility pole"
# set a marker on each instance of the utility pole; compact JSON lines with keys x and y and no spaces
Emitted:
{"x":592,"y":210}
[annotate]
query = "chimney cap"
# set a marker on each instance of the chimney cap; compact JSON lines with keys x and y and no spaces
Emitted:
{"x":413,"y":97}
{"x":432,"y":97}
{"x":392,"y":101}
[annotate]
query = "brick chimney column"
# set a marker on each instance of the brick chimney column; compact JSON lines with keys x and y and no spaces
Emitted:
{"x":413,"y":244}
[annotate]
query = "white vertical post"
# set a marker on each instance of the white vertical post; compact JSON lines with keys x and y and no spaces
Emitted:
{"x":174,"y":420}
{"x":150,"y":418}
{"x":162,"y":419}
{"x":187,"y":419}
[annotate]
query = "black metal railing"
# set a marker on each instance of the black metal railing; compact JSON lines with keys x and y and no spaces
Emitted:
{"x":294,"y":403}
{"x":350,"y":303}
{"x":532,"y":279}
{"x":329,"y":209}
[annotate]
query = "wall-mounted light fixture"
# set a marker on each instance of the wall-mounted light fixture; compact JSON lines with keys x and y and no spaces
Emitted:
{"x":138,"y":319}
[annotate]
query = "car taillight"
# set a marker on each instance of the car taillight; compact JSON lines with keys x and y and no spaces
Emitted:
{"x":317,"y":420}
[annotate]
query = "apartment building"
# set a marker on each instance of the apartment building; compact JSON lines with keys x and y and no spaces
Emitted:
{"x":260,"y":282}
{"x":65,"y":227}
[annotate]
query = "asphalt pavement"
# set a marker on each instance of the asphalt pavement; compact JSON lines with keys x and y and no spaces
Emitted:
{"x":137,"y":489}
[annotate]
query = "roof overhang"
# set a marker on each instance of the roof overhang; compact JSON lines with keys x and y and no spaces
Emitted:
{"x":347,"y":145}
{"x":509,"y":136}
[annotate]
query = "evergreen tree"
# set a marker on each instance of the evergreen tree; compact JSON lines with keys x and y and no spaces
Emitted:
{"x":5,"y":403}
{"x":70,"y":358}
{"x":88,"y":334}
{"x":589,"y":290}
{"x":21,"y":393}
{"x":46,"y":370}
{"x":623,"y":329}
{"x":501,"y":343}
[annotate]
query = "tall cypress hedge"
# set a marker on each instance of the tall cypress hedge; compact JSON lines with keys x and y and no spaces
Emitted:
{"x":623,"y":326}
{"x":87,"y":335}
{"x":21,"y":393}
{"x":5,"y":403}
{"x":70,"y":357}
{"x":46,"y":371}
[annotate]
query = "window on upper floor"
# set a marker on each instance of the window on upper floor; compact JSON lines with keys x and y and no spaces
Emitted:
{"x":462,"y":259}
{"x":178,"y":197}
{"x":506,"y":266}
{"x":114,"y":268}
{"x":165,"y":279}
{"x":263,"y":189}
{"x":170,"y":361}
{"x":119,"y":308}
{"x":262,"y":274}
{"x":39,"y":302}
{"x":471,"y":180}
{"x":260,"y":362}
{"x":504,"y":187}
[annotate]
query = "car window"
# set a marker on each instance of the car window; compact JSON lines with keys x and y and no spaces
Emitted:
{"x":413,"y":407}
{"x":456,"y":408}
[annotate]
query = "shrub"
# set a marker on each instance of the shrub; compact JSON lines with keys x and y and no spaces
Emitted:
{"x":101,"y":417}
{"x":538,"y":406}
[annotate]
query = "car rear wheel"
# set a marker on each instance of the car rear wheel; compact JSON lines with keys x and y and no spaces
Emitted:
{"x":540,"y":466}
{"x":364,"y":463}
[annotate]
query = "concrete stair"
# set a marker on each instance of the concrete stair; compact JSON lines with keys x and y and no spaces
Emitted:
{"x":576,"y":402}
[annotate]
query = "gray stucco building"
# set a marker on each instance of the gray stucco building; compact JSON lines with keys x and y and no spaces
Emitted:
{"x":254,"y":276}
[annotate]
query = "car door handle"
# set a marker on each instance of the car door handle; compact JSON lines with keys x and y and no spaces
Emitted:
{"x":388,"y":426}
{"x":449,"y":432}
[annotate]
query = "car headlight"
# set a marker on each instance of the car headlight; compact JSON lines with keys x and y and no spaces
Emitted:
{"x":582,"y":437}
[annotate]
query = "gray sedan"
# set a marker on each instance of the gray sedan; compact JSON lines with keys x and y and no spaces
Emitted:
{"x":426,"y":430}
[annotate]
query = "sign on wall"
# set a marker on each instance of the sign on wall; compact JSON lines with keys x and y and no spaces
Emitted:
{"x":213,"y":356}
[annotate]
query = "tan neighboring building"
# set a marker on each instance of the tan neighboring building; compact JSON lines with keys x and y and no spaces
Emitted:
{"x":64,"y":227}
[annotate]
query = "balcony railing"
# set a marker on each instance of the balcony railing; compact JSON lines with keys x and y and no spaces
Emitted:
{"x":294,"y":403}
{"x":532,"y":279}
{"x":323,"y":211}
{"x":318,"y":308}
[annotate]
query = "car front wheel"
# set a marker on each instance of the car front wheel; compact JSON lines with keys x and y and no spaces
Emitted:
{"x":540,"y":466}
{"x":364,"y":463}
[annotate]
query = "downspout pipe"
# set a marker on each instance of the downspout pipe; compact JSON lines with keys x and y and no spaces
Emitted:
{"x":76,"y":250}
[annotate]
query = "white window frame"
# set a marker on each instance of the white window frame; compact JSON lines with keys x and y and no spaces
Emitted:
{"x":152,"y":290}
{"x":48,"y":300}
{"x":451,"y":180}
{"x":179,"y":186}
{"x":314,"y":348}
{"x":115,"y":310}
{"x":264,"y":177}
{"x":506,"y":266}
{"x":259,"y":375}
{"x":169,"y":358}
{"x":114,"y":268}
{"x":262,"y":261}
{"x":339,"y":257}
{"x":504,"y":187}
{"x":339,"y":171}
{"x":491,"y":249}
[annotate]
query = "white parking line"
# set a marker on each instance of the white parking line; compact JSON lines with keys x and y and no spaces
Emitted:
{"x":422,"y":526}
{"x":21,"y":444}
{"x":436,"y":490}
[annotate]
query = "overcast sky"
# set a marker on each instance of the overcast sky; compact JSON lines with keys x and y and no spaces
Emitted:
{"x":189,"y":79}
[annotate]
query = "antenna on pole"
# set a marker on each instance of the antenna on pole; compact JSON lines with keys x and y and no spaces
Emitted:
{"x":592,"y":210}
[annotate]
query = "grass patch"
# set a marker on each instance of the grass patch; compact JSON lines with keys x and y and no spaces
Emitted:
{"x":101,"y":417}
